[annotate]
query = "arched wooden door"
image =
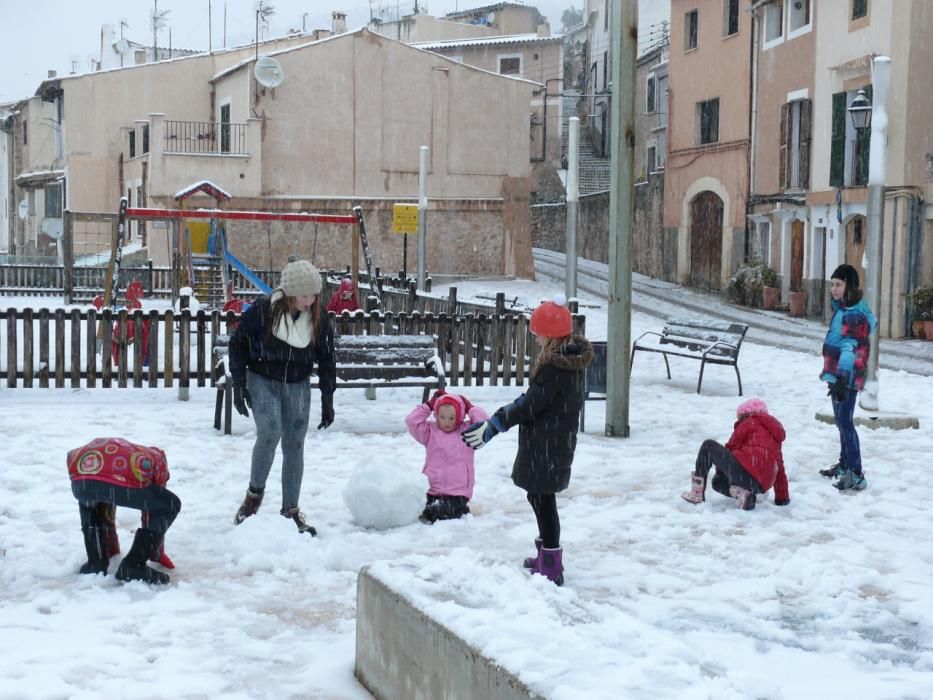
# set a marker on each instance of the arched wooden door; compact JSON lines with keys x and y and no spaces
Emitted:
{"x":796,"y":256}
{"x":856,"y":235}
{"x":706,"y":241}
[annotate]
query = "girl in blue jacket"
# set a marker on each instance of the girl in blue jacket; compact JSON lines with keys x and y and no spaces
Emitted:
{"x":845,"y":363}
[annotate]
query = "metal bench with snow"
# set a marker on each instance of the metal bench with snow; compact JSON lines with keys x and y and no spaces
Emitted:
{"x":708,"y":340}
{"x":363,"y":361}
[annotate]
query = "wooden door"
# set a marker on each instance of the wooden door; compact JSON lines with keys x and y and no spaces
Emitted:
{"x":856,"y":235}
{"x":796,"y":256}
{"x":706,"y":241}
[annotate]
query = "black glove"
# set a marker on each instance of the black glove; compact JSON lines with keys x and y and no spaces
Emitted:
{"x":783,"y":502}
{"x":327,"y":411}
{"x":840,"y":390}
{"x":241,"y":399}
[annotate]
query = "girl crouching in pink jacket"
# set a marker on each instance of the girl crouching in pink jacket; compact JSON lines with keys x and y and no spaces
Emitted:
{"x":448,"y":461}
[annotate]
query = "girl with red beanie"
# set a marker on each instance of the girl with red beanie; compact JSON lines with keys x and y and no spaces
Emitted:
{"x":751,"y":462}
{"x":548,"y":416}
{"x":448,"y":462}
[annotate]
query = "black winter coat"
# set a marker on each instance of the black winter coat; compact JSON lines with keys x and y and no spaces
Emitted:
{"x":253,"y":347}
{"x":548,"y":416}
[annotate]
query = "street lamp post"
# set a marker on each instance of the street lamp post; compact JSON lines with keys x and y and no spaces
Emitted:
{"x":874,"y":116}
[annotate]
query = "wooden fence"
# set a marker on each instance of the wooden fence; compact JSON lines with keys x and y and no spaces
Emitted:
{"x":399,"y":293}
{"x":59,"y":349}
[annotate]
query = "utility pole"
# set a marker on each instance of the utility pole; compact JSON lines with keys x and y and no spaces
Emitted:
{"x":881,"y":80}
{"x":573,"y":168}
{"x":623,"y":48}
{"x":209,"y":37}
{"x":422,"y":214}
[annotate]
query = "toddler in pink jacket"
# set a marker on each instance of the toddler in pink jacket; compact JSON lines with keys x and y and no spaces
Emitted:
{"x":448,"y":461}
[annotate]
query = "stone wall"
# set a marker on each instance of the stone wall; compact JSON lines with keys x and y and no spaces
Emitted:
{"x":654,"y":251}
{"x":465,"y":237}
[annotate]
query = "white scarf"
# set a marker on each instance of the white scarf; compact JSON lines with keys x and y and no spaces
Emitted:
{"x":296,"y":332}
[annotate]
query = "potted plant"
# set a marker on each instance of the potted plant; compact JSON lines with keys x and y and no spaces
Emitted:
{"x":922,"y":300}
{"x":770,"y":291}
{"x":797,"y":303}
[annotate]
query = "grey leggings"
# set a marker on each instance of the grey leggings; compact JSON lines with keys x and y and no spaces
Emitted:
{"x":280,"y":411}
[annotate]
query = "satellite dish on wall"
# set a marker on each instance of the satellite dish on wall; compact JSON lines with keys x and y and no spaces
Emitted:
{"x":268,"y":72}
{"x":23,"y":210}
{"x":52,"y":228}
{"x":491,"y":17}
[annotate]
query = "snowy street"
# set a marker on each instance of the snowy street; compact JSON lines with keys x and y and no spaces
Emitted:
{"x":827,"y":597}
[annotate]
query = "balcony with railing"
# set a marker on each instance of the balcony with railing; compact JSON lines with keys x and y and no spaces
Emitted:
{"x":181,"y":152}
{"x":222,"y":138}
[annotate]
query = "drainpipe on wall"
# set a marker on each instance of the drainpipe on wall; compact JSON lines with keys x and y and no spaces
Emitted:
{"x":752,"y":124}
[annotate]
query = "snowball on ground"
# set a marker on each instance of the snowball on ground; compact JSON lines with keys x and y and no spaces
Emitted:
{"x":385,"y":495}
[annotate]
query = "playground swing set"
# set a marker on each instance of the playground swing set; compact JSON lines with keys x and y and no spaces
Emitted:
{"x":209,"y":239}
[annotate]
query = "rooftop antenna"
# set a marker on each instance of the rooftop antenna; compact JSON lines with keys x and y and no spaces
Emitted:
{"x":263,"y":12}
{"x":158,"y":21}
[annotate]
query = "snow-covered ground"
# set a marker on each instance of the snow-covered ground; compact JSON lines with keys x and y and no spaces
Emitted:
{"x":828,"y":597}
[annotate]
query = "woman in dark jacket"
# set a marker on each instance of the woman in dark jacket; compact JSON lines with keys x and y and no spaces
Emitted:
{"x":272,"y":354}
{"x":548,"y":416}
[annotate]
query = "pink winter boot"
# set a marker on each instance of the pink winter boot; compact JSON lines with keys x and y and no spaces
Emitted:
{"x":697,"y":488}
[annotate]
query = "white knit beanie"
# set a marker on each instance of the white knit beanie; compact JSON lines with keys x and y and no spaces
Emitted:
{"x":300,"y":279}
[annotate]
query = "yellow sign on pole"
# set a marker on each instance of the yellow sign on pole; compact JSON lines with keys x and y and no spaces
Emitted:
{"x":405,"y":218}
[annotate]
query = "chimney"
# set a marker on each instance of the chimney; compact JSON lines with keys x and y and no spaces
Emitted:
{"x":544,"y":29}
{"x":338,"y":22}
{"x":52,"y":74}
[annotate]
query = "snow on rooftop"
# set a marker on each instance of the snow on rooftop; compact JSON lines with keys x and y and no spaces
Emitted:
{"x":489,"y":40}
{"x":205,"y":186}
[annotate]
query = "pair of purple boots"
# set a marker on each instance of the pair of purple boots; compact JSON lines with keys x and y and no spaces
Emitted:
{"x":548,"y":563}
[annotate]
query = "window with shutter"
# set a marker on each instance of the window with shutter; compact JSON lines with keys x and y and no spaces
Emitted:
{"x":133,"y":143}
{"x":730,"y":17}
{"x":782,"y":143}
{"x":837,"y":158}
{"x":708,"y":121}
{"x":803,"y":147}
{"x":859,"y":8}
{"x":650,"y":105}
{"x":691,"y":29}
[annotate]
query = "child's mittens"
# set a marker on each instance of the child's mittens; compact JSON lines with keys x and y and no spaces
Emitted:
{"x":434,"y":397}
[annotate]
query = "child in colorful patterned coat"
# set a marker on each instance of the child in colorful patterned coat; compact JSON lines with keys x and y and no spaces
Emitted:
{"x":448,"y":461}
{"x":845,"y":364}
{"x":110,"y":472}
{"x":750,"y":463}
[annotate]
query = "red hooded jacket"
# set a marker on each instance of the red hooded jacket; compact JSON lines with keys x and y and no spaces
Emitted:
{"x":756,"y":443}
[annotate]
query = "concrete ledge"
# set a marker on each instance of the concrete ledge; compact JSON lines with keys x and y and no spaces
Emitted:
{"x":402,"y":654}
{"x":894,"y":421}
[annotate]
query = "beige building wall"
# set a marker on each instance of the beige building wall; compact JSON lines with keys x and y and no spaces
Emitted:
{"x":345,"y":126}
{"x":717,"y":68}
{"x":428,"y":28}
{"x":541,"y":62}
{"x":900,"y":31}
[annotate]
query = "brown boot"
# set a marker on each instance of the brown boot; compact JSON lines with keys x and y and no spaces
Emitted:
{"x":249,"y":506}
{"x":299,"y":519}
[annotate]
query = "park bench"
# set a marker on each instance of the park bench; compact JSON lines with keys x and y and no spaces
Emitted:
{"x":707,"y":340}
{"x":363,"y":361}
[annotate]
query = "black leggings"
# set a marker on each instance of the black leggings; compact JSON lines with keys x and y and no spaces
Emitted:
{"x":545,"y":508}
{"x":712,"y":454}
{"x":161,"y":505}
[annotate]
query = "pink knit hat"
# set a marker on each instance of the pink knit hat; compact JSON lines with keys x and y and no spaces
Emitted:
{"x":751,"y":407}
{"x":454,"y":400}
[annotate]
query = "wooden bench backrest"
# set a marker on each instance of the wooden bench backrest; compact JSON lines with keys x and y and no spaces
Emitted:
{"x":705,"y":332}
{"x":384,"y":349}
{"x":369,"y":349}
